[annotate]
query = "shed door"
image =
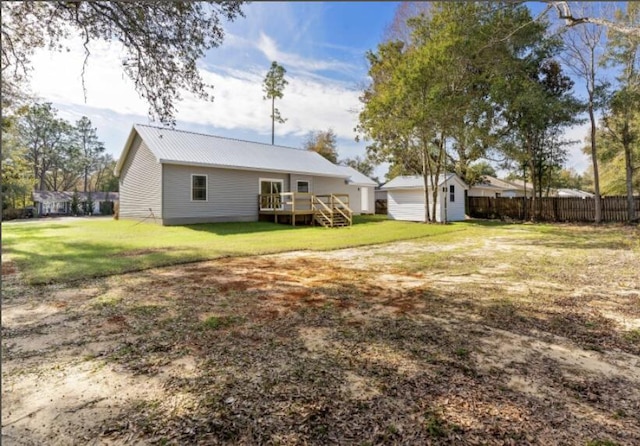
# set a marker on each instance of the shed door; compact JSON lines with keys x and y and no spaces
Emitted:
{"x":364,"y":200}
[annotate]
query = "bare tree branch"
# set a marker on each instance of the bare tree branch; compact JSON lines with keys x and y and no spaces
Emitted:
{"x":565,"y":13}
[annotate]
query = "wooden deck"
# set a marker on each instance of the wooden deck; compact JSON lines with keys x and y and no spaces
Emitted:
{"x":331,"y":210}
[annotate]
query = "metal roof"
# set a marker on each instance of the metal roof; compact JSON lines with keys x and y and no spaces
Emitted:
{"x":357,"y":178}
{"x":181,"y":147}
{"x":413,"y":182}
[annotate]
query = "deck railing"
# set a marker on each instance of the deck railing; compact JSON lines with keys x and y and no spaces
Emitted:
{"x":333,"y":208}
{"x":285,"y":201}
{"x":331,"y":204}
{"x":321,"y":208}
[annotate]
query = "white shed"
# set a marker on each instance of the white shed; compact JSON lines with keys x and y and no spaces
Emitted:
{"x":406,"y":198}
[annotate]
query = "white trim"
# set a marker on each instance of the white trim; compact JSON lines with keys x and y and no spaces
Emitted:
{"x":308,"y":186}
{"x":271,"y":180}
{"x":260,"y":180}
{"x":206,"y":187}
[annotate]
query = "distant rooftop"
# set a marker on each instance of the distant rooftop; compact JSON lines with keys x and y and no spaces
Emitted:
{"x":412,"y":182}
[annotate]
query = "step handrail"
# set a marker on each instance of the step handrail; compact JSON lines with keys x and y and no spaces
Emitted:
{"x":344,"y":206}
{"x":324,"y":205}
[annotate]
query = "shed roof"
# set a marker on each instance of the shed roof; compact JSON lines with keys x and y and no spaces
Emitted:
{"x":416,"y":181}
{"x":171,"y":146}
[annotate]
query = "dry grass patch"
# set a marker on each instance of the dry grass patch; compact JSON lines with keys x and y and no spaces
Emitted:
{"x":336,"y":347}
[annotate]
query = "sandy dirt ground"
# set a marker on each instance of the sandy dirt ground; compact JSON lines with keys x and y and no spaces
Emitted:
{"x":405,"y":343}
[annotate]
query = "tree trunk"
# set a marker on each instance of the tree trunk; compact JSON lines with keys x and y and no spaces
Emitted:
{"x":628,"y":163}
{"x":534,"y":201}
{"x":629,"y":171}
{"x":436,"y":177}
{"x":594,"y":159}
{"x":434,"y":196}
{"x":524,"y":184}
{"x":273,"y":119}
{"x":534,"y":183}
{"x":425,"y":179}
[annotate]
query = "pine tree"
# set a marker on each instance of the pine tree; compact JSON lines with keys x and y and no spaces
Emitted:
{"x":273,"y":87}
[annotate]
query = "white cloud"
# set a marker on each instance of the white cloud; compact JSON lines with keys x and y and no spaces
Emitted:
{"x":57,"y":76}
{"x":310,"y":102}
{"x":270,"y":50}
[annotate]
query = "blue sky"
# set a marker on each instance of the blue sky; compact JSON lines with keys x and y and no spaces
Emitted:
{"x":322,"y":45}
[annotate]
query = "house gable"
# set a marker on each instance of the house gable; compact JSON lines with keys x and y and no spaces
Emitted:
{"x":140,"y":181}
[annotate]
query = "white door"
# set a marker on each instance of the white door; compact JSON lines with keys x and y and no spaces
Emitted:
{"x":364,"y":200}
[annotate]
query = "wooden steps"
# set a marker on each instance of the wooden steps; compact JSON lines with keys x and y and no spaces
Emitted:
{"x":331,"y":212}
{"x":333,"y":220}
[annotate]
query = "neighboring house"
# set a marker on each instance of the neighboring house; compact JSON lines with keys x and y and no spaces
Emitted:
{"x":572,"y":193}
{"x":50,"y":202}
{"x":180,"y":177}
{"x":406,"y":198}
{"x":494,"y":187}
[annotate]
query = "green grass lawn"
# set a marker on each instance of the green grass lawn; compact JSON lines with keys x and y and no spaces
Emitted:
{"x":75,"y":249}
{"x":58,"y":251}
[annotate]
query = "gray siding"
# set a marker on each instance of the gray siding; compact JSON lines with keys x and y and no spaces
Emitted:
{"x":140,"y":181}
{"x":294,"y":182}
{"x":325,"y":185}
{"x":232,"y":195}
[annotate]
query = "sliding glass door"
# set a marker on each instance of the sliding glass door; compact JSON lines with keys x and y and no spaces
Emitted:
{"x":270,"y":198}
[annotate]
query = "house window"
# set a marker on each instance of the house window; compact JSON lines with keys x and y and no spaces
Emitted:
{"x":303,"y":187}
{"x":198,"y":188}
{"x":452,"y":193}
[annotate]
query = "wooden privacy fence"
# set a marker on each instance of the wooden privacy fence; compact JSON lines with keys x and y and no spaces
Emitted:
{"x":552,"y":208}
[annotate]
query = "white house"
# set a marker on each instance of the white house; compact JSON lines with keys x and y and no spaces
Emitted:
{"x":52,"y":202}
{"x":406,"y":198}
{"x":181,"y":177}
{"x":575,"y":193}
{"x":494,"y":187}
